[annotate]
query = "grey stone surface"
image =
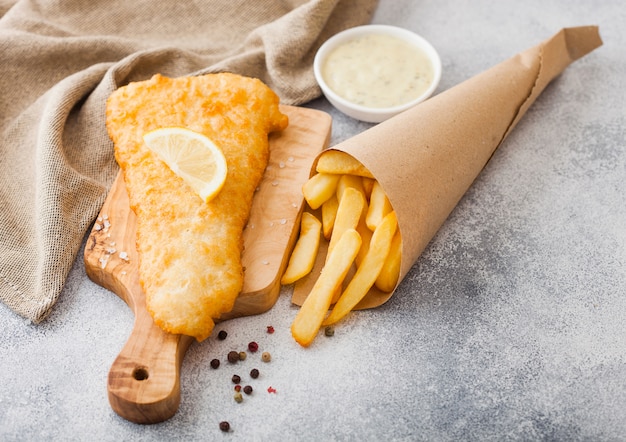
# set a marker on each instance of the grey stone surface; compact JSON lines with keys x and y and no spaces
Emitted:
{"x":511,"y":326}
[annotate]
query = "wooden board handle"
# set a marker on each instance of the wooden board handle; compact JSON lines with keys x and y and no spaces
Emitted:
{"x":144,"y":381}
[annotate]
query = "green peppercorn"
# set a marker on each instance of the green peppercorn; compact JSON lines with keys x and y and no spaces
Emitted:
{"x":238,"y":397}
{"x":242,"y":355}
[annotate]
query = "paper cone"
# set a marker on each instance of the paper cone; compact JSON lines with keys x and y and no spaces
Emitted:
{"x":427,"y":157}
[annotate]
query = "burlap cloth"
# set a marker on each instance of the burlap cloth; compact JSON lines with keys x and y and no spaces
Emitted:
{"x":60,"y":60}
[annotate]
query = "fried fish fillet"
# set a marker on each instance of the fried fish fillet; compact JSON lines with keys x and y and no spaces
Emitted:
{"x":190,"y":251}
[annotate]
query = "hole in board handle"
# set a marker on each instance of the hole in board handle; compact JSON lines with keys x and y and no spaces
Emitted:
{"x":140,"y":373}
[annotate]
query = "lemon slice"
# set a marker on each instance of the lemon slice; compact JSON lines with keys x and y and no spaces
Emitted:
{"x":192,"y":156}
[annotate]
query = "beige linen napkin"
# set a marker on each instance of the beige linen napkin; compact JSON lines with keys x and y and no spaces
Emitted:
{"x":59,"y":63}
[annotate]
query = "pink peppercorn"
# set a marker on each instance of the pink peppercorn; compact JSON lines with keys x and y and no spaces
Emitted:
{"x":253,"y":346}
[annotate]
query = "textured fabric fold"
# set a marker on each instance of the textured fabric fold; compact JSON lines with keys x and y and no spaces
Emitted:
{"x":59,"y":61}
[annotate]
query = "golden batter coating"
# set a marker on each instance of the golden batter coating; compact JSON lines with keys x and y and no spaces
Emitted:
{"x":190,"y":251}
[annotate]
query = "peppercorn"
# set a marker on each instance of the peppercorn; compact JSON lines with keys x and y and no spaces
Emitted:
{"x":266,"y":357}
{"x":254,"y":373}
{"x":329,"y":331}
{"x":242,"y":355}
{"x":233,"y":356}
{"x":253,"y":346}
{"x":236,"y":379}
{"x":222,"y":335}
{"x":270,"y":329}
{"x":215,"y":363}
{"x":224,"y":426}
{"x":247,"y":389}
{"x":237,"y":387}
{"x":238,"y":397}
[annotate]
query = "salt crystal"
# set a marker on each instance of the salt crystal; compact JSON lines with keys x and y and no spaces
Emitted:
{"x":283,"y":221}
{"x":103,"y":262}
{"x":290,"y":159}
{"x":265,"y":262}
{"x":274,"y":183}
{"x":97,"y":227}
{"x":281,"y":165}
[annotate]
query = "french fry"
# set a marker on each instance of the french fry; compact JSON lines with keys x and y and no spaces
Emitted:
{"x":389,"y":274}
{"x":366,"y":237}
{"x":349,"y":212}
{"x":329,"y":213}
{"x":350,"y":181}
{"x":379,"y":206}
{"x":336,"y":162}
{"x":309,"y":318}
{"x":368,"y":184}
{"x":304,"y":253}
{"x":319,"y":188}
{"x":367,"y":273}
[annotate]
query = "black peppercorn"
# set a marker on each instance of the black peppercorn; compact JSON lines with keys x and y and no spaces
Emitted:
{"x":254,"y":373}
{"x":236,"y":379}
{"x":222,"y":335}
{"x":215,"y":363}
{"x":247,"y":389}
{"x":224,"y":426}
{"x":233,"y":356}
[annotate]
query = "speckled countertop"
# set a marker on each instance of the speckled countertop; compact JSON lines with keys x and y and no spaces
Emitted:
{"x":511,"y":326}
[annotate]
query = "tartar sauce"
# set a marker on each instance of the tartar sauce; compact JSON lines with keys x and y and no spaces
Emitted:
{"x":378,"y":71}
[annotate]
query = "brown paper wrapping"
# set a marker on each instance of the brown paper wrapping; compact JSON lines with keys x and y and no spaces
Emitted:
{"x":427,"y":157}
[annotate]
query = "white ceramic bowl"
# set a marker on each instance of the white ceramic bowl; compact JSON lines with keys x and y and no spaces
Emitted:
{"x":374,"y":114}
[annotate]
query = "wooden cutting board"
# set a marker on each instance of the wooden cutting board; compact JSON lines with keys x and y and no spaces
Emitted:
{"x":144,"y":380}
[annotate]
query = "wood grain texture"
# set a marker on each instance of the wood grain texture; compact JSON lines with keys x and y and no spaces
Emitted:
{"x":144,"y":379}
